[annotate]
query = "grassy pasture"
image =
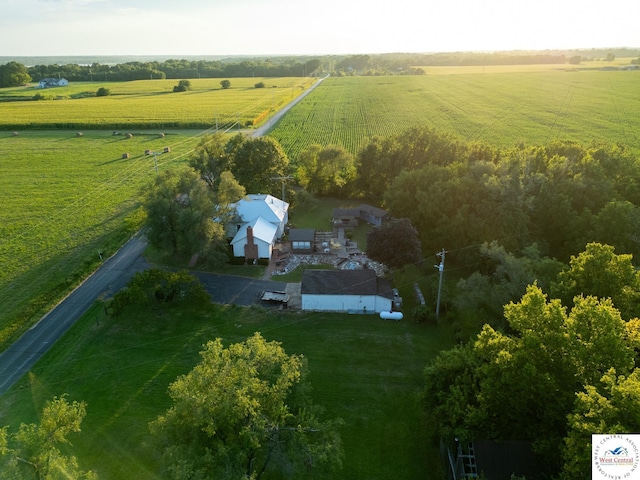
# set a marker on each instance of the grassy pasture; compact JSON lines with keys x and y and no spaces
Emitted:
{"x":362,"y":369}
{"x":500,"y":108}
{"x":147,"y":104}
{"x":66,"y":199}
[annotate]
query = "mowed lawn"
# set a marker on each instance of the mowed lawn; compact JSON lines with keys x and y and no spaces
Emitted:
{"x":67,"y":201}
{"x":499,"y":107}
{"x":364,"y":370}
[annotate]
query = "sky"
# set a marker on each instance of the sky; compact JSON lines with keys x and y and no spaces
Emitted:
{"x":312,"y":27}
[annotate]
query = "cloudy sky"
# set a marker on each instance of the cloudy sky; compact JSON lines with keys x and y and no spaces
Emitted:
{"x":259,"y":27}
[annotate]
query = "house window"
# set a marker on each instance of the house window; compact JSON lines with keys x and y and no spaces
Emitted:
{"x":301,"y":245}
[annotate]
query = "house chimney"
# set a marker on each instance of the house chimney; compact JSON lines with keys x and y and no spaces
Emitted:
{"x":250,"y":249}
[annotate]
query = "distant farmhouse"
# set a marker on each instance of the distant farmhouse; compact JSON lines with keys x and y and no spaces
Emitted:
{"x":53,"y":82}
{"x":349,"y":291}
{"x":260,"y":221}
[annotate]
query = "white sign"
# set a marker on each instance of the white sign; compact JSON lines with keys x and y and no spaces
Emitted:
{"x":615,"y":457}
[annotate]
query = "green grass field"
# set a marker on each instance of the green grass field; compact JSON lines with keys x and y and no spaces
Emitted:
{"x":66,"y":199}
{"x":362,"y":369}
{"x":500,"y":108}
{"x":148,"y":104}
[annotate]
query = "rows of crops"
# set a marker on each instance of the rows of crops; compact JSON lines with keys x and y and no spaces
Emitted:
{"x":147,"y":104}
{"x":66,"y":200}
{"x":499,"y":108}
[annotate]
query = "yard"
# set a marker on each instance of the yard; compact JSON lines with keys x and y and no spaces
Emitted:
{"x":362,"y":369}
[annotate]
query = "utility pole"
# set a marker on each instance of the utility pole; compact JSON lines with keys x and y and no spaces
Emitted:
{"x":282,"y":179}
{"x":441,"y":270}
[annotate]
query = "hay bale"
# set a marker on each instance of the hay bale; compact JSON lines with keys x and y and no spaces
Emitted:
{"x":167,"y":149}
{"x":147,"y":152}
{"x":15,"y":134}
{"x":125,"y":155}
{"x":79,"y":134}
{"x":129,"y":135}
{"x":161,"y":135}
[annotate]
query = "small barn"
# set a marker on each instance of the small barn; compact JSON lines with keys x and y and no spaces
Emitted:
{"x":348,"y":218}
{"x":349,"y":291}
{"x":302,"y":239}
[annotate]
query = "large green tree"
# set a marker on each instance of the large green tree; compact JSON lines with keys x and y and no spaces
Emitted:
{"x":325,"y":171}
{"x":257,"y":162}
{"x":13,"y":74}
{"x":394,"y":243}
{"x":210,"y":158}
{"x":242,"y":412}
{"x":34,"y":451}
{"x":180,"y":211}
{"x":599,"y":271}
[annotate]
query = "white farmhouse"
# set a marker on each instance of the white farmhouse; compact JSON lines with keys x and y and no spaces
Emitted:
{"x":351,"y":291}
{"x":53,"y":82}
{"x":265,"y":218}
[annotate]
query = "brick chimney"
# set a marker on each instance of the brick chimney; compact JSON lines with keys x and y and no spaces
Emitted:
{"x":250,"y":249}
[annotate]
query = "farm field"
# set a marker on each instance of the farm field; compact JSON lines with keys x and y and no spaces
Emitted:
{"x":147,"y":104}
{"x":502,"y":108}
{"x":66,"y":200}
{"x":362,"y":369}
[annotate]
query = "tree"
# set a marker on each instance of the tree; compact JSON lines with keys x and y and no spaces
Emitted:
{"x":225,"y":84}
{"x":180,"y":211}
{"x":159,"y":287}
{"x":243,"y":411}
{"x":34,"y":451}
{"x":260,"y":85}
{"x":325,"y":171}
{"x":229,"y":192}
{"x":598,"y":271}
{"x":183,"y":86}
{"x":103,"y":92}
{"x":394,"y":243}
{"x":13,"y":74}
{"x":256,"y":161}
{"x":211,"y":157}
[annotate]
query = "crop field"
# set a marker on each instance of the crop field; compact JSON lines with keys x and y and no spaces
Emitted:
{"x":501,"y":108}
{"x":364,"y":370}
{"x":66,"y":199}
{"x":148,"y":104}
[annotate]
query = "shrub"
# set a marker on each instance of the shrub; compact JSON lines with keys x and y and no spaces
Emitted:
{"x":103,"y":92}
{"x":260,"y":85}
{"x":225,"y":84}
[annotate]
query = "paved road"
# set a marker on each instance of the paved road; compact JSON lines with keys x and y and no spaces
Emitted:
{"x":264,"y":129}
{"x":109,"y":278}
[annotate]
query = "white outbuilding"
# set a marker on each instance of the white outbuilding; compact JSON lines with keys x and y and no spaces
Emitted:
{"x":349,"y":291}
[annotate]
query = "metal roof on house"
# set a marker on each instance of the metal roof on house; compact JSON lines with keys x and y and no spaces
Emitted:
{"x":266,"y":206}
{"x":262,"y":230}
{"x":344,"y":282}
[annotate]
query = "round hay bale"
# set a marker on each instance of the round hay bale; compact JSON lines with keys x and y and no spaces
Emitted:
{"x":161,"y":135}
{"x":15,"y":134}
{"x":129,"y":135}
{"x":125,"y":155}
{"x":79,"y":134}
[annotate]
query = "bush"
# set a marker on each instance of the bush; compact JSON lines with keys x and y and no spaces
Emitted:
{"x":183,"y":86}
{"x":260,"y":85}
{"x":423,"y":314}
{"x":225,"y":84}
{"x":103,"y":92}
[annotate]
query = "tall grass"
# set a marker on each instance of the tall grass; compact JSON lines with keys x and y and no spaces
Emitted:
{"x":501,"y":108}
{"x":147,"y":104}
